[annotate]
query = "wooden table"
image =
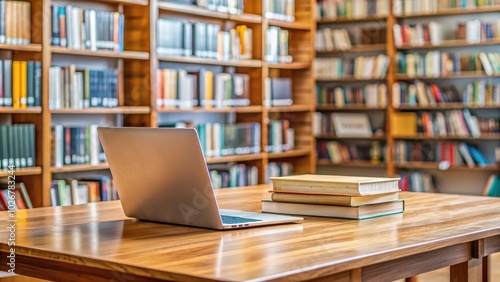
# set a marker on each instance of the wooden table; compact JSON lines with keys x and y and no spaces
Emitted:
{"x":97,"y":242}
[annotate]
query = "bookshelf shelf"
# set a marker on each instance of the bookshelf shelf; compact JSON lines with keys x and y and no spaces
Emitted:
{"x":126,"y":2}
{"x":205,"y":13}
{"x":348,"y":108}
{"x":111,"y":111}
{"x":290,"y":66}
{"x":101,"y":53}
{"x":435,"y":166}
{"x":323,"y":162}
{"x":357,"y":48}
{"x":447,"y":106}
{"x":249,"y":109}
{"x":449,"y":44}
{"x":205,"y":61}
{"x":352,"y":20}
{"x":289,"y":154}
{"x":30,"y":110}
{"x":77,"y":168}
{"x":23,"y":171}
{"x":332,"y":136}
{"x":494,"y":137}
{"x":235,"y":158}
{"x":452,"y":12}
{"x":350,"y":79}
{"x":461,"y":75}
{"x":22,"y":47}
{"x":292,"y":108}
{"x":289,"y":25}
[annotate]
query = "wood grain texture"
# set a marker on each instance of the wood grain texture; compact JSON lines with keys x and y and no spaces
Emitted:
{"x":99,"y":236}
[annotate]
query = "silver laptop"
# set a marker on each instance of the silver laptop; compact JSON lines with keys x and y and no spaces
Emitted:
{"x":162,"y":176}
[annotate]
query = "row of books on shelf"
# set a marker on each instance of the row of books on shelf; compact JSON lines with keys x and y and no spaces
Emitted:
{"x":333,"y":9}
{"x":15,"y":22}
{"x":277,"y":169}
{"x":71,"y":88}
{"x":328,"y":39}
{"x":86,"y":29}
{"x":477,"y":93}
{"x":17,"y":145}
{"x":349,"y":197}
{"x":219,"y":139}
{"x":282,"y":10}
{"x":436,"y":63}
{"x":20,"y":83}
{"x":360,"y":67}
{"x":408,"y":7}
{"x":344,"y":125}
{"x":14,"y":199}
{"x":223,"y":6}
{"x":337,"y":152}
{"x":277,"y":45}
{"x":183,"y":89}
{"x":370,"y":95}
{"x":451,"y":123}
{"x":183,"y":38}
{"x":473,"y":31}
{"x":233,"y":175}
{"x":281,"y":137}
{"x":75,"y":145}
{"x":418,"y":182}
{"x":67,"y":192}
{"x":454,"y":153}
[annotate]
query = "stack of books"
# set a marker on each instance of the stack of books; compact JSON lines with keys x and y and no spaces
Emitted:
{"x":348,"y":197}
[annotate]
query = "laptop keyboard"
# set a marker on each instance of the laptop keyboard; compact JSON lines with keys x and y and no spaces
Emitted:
{"x":228,"y":219}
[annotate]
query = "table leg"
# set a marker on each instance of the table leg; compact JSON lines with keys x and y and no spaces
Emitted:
{"x":412,"y":279}
{"x":485,"y":269}
{"x":471,"y":270}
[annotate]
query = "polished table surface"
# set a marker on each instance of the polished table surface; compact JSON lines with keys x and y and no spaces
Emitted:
{"x":97,"y":241}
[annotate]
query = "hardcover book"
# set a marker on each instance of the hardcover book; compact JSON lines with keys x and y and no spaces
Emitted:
{"x":335,"y":184}
{"x":332,"y":199}
{"x":359,"y":212}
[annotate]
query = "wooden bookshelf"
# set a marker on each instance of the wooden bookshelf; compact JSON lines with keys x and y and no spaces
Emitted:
{"x":110,"y":111}
{"x":290,"y":66}
{"x":363,"y":164}
{"x":391,"y":167}
{"x":483,"y":137}
{"x":289,"y":25}
{"x":248,"y":109}
{"x":436,"y":166}
{"x":126,"y":2}
{"x":191,"y":10}
{"x":205,"y":61}
{"x":333,"y":136}
{"x":452,"y":12}
{"x":357,"y":49}
{"x":101,"y":53}
{"x":350,"y":79}
{"x":352,"y":20}
{"x":292,"y":108}
{"x":235,"y":158}
{"x":346,"y":108}
{"x":462,"y":75}
{"x":288,"y":154}
{"x":447,"y":106}
{"x":22,"y":47}
{"x":78,"y":168}
{"x":22,"y":171}
{"x":30,"y":110}
{"x":449,"y":44}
